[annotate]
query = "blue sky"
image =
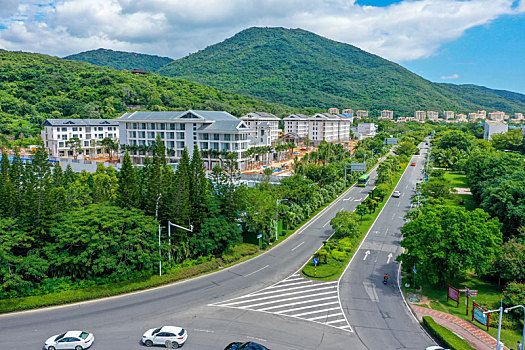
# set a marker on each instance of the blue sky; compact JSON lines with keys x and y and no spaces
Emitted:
{"x":478,"y":42}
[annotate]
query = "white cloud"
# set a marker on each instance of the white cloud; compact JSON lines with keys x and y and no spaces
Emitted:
{"x":404,"y":31}
{"x":450,"y":77}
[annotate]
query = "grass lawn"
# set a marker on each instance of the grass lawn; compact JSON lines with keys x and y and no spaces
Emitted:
{"x":464,"y":200}
{"x":489,"y":296}
{"x":457,"y":178}
{"x":334,"y":268}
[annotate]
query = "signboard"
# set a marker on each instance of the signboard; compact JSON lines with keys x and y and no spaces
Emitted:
{"x":358,"y":167}
{"x":472,"y":293}
{"x":316,"y":261}
{"x":259,"y":236}
{"x":453,"y":293}
{"x":391,"y":141}
{"x":477,"y":314}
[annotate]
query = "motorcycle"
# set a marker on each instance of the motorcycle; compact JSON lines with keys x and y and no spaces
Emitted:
{"x":385,"y":280}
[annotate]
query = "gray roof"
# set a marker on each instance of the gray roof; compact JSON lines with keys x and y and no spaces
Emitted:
{"x":80,"y":122}
{"x":297,"y":116}
{"x":326,"y":115}
{"x":259,"y":115}
{"x":223,"y":125}
{"x":176,"y":115}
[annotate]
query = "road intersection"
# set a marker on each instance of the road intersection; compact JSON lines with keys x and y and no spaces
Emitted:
{"x":260,"y":299}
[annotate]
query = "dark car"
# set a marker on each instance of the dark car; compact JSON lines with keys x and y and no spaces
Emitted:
{"x":245,"y":346}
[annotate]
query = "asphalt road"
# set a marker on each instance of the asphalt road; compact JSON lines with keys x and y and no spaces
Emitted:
{"x":119,"y":322}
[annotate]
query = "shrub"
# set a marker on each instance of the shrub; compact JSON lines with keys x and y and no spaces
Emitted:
{"x":444,"y":336}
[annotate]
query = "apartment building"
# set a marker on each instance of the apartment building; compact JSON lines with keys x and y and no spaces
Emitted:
{"x":432,"y":115}
{"x":264,"y":126}
{"x":329,"y":127}
{"x":420,"y":115}
{"x":212,"y":131}
{"x":348,"y":111}
{"x":518,"y":116}
{"x":494,"y":127}
{"x":333,"y":110}
{"x":386,"y":114}
{"x":497,"y":116}
{"x":361,"y":114}
{"x":364,"y":130}
{"x":57,"y":133}
{"x":448,"y":115}
{"x":296,"y":124}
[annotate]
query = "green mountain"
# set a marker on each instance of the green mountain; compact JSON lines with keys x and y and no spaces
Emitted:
{"x":34,"y":87}
{"x":302,"y":69}
{"x":121,"y":60}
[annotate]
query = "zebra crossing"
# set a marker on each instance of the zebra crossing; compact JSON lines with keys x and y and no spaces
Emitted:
{"x":296,"y":297}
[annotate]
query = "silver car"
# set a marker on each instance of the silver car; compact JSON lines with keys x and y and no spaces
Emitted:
{"x":77,"y":340}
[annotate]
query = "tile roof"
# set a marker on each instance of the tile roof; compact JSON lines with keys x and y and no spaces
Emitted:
{"x":80,"y":122}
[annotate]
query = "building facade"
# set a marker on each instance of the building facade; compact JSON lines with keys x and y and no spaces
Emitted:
{"x":420,"y":115}
{"x":364,"y":130}
{"x":361,"y":114}
{"x":494,"y":127}
{"x":329,"y":127}
{"x":386,"y":114}
{"x":58,"y":134}
{"x":214,"y":133}
{"x":500,"y":116}
{"x":432,"y":115}
{"x":348,"y":111}
{"x":296,"y":124}
{"x":264,"y":126}
{"x":448,"y":115}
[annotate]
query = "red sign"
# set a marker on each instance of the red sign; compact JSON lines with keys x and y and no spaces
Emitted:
{"x":453,"y":293}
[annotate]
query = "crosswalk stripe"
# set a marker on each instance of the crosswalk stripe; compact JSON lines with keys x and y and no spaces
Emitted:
{"x":282,"y":295}
{"x":316,"y":312}
{"x":307,"y":307}
{"x":325,"y":316}
{"x":299,"y":303}
{"x":287,"y":299}
{"x":337,"y":321}
{"x":288,"y":284}
{"x":283,"y":290}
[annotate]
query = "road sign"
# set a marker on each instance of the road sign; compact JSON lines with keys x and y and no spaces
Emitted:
{"x":414,"y":269}
{"x":453,"y":293}
{"x":391,"y":141}
{"x":259,"y":236}
{"x":472,"y":293}
{"x":316,"y":261}
{"x":358,"y":167}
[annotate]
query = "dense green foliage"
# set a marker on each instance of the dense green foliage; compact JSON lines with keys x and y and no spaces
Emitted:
{"x":121,"y":60}
{"x":36,"y":87}
{"x":301,"y":69}
{"x":444,"y":336}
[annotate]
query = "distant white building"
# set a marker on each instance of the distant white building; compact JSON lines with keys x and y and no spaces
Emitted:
{"x":365,"y":130}
{"x":448,"y":115}
{"x":333,"y":110}
{"x":386,"y":114}
{"x":264,"y":126}
{"x":296,"y":124}
{"x":348,"y":111}
{"x":329,"y":127}
{"x":497,"y":116}
{"x":432,"y":115}
{"x":57,"y":133}
{"x":420,"y":115}
{"x":212,"y":131}
{"x":494,"y":127}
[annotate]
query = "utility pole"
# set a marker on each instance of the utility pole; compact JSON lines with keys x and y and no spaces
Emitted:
{"x":499,"y":345}
{"x":157,"y":218}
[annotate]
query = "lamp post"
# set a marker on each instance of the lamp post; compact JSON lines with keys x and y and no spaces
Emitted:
{"x":523,"y":335}
{"x":277,"y":219}
{"x":500,"y":310}
{"x":157,"y":218}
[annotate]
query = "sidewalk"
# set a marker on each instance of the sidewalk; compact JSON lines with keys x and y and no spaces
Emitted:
{"x":478,"y":338}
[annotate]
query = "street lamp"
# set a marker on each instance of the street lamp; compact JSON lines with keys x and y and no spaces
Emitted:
{"x":157,"y":218}
{"x":277,"y":220}
{"x":500,"y":310}
{"x":523,"y":307}
{"x":169,"y":234}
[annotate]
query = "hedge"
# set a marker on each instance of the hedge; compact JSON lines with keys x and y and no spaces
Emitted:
{"x":444,"y":336}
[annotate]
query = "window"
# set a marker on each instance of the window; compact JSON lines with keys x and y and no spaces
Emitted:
{"x":134,"y":125}
{"x":216,"y":137}
{"x":215,"y":146}
{"x":204,"y":137}
{"x":172,"y":126}
{"x":100,"y":136}
{"x":204,"y":145}
{"x":152,"y":126}
{"x":143,"y":125}
{"x":171,"y":135}
{"x":64,"y":129}
{"x":180,"y":144}
{"x":86,"y":143}
{"x":151,"y":135}
{"x":236,"y":137}
{"x":180,"y":135}
{"x":161,"y":134}
{"x":61,"y":144}
{"x":64,"y":137}
{"x":79,"y":129}
{"x":162,"y":126}
{"x":226,"y":137}
{"x":75,"y":129}
{"x":171,"y":144}
{"x":75,"y":135}
{"x":225,"y":147}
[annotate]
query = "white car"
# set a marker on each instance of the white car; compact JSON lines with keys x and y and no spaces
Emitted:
{"x":434,"y":347}
{"x":77,"y":340}
{"x":396,"y":194}
{"x":164,"y":336}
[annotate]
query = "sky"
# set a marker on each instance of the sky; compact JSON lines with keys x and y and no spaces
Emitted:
{"x":478,"y":42}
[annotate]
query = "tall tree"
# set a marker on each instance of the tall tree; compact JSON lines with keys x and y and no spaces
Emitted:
{"x":6,"y":190}
{"x":198,"y":189}
{"x":128,"y":189}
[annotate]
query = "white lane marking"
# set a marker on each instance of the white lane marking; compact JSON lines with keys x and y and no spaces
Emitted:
{"x":297,"y":246}
{"x":251,"y":273}
{"x":337,"y":321}
{"x":398,"y":203}
{"x":357,"y":200}
{"x":307,"y":307}
{"x":203,"y":330}
{"x":347,"y":199}
{"x":326,"y":224}
{"x":289,"y":284}
{"x":367,"y":253}
{"x":296,"y":303}
{"x":389,"y":257}
{"x":276,"y":301}
{"x":317,"y":311}
{"x":288,"y":289}
{"x":326,"y":316}
{"x":370,"y":289}
{"x":259,"y":339}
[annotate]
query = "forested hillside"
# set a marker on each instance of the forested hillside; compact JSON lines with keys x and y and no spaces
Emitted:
{"x":121,"y":60}
{"x":34,"y":87}
{"x":301,"y":69}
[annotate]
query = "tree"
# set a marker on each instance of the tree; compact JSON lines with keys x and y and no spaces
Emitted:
{"x":405,"y":149}
{"x":128,"y":191}
{"x":361,"y":210}
{"x":437,"y":188}
{"x":511,"y":260}
{"x":75,"y":145}
{"x":111,"y":146}
{"x":6,"y":190}
{"x":344,"y":224}
{"x":511,"y":140}
{"x":444,"y":241}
